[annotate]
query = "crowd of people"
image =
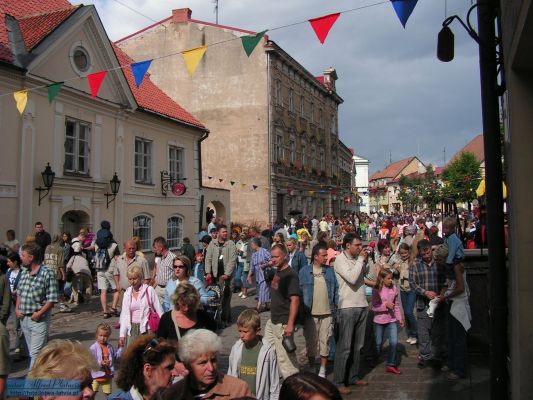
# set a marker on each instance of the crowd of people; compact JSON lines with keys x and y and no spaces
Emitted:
{"x":346,"y":296}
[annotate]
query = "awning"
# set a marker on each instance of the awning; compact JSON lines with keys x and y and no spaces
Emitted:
{"x":480,"y":191}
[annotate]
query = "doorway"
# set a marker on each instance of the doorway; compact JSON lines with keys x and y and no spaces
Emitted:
{"x":73,"y":220}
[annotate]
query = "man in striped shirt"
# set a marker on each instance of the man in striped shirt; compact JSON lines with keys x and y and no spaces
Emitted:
{"x":427,"y":281}
{"x":163,"y":270}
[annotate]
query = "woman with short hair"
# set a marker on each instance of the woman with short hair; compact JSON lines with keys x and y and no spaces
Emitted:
{"x":198,"y":351}
{"x":185,"y":316}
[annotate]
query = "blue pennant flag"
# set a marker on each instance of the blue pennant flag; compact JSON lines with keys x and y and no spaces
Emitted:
{"x":403,"y":9}
{"x":139,"y":69}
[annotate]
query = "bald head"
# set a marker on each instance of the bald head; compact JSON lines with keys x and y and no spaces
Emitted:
{"x":130,"y":247}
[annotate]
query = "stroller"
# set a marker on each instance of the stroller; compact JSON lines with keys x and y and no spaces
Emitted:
{"x":214,"y":307}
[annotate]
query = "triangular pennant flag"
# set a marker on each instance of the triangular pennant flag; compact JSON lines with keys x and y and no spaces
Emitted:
{"x":95,"y":81}
{"x":266,"y":188}
{"x":53,"y":90}
{"x":193,"y":57}
{"x":232,"y":183}
{"x":209,"y":177}
{"x":139,"y":70}
{"x":21,"y":98}
{"x":243,"y":184}
{"x":254,"y":187}
{"x":403,"y":9}
{"x":322,"y":25}
{"x":221,"y":180}
{"x":250,"y":42}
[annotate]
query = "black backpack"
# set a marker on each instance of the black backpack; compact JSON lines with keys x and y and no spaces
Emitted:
{"x":102,"y":259}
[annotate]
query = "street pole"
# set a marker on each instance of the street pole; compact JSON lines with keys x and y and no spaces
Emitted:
{"x":487,"y":13}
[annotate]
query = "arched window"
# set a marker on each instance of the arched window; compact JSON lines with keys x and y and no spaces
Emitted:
{"x":174,"y":232}
{"x":142,"y":227}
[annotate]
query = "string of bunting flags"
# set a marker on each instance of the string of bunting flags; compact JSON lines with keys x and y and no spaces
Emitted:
{"x":321,"y":27}
{"x":311,"y":189}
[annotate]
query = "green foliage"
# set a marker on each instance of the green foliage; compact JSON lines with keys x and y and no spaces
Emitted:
{"x":462,"y":177}
{"x":419,"y":189}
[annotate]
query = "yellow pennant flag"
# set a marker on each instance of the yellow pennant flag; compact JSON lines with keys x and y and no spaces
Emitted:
{"x":21,"y":97}
{"x":193,"y":57}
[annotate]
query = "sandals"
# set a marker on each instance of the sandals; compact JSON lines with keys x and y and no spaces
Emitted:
{"x":114,"y":312}
{"x":107,"y":315}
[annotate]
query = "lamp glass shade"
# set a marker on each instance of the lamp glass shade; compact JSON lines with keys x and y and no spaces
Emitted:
{"x":48,"y":176}
{"x":445,"y":45}
{"x":115,"y":184}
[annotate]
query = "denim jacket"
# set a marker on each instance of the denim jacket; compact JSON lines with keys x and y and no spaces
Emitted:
{"x":307,"y":285}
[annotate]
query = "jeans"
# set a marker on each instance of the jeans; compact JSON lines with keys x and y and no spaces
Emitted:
{"x":456,"y":347}
{"x":237,"y":278}
{"x":352,"y":325}
{"x":408,"y":304}
{"x":391,"y":329}
{"x":36,"y":334}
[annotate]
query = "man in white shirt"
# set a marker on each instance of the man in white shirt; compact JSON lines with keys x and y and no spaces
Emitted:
{"x":350,"y":270}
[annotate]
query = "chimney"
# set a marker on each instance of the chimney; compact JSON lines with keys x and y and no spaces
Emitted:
{"x":330,"y":76}
{"x":181,"y":15}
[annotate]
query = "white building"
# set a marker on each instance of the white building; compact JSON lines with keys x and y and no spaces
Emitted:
{"x":361,"y":183}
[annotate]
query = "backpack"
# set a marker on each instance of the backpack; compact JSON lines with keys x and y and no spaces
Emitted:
{"x":102,"y":259}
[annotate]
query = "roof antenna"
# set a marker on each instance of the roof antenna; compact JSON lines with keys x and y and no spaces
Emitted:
{"x":215,"y":2}
{"x":390,"y":157}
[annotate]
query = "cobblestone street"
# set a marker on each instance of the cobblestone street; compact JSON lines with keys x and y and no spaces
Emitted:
{"x":413,"y":384}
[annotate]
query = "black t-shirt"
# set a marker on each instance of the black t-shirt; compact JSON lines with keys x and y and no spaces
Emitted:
{"x":284,"y":285}
{"x":167,"y":330}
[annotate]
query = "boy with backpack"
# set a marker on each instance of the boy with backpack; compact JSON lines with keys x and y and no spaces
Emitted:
{"x":105,"y":250}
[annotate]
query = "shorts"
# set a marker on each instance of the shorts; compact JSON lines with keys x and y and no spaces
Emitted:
{"x":105,"y":280}
{"x":106,"y":386}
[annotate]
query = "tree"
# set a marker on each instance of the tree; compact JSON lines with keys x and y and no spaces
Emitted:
{"x":419,"y":189}
{"x":462,"y":177}
{"x":409,"y":193}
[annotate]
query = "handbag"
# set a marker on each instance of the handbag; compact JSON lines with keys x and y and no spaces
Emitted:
{"x":153,"y":316}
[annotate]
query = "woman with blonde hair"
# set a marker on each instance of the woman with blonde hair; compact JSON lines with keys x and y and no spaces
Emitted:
{"x":138,"y":299}
{"x":66,"y":360}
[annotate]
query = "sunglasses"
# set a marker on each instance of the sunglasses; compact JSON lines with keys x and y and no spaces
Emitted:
{"x":151,"y":346}
{"x":178,"y":266}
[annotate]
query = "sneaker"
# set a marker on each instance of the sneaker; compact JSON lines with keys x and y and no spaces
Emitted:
{"x":244,"y":296}
{"x":322,"y":374}
{"x":408,"y":340}
{"x":240,"y":294}
{"x":413,"y":341}
{"x":452,"y":376}
{"x":392,"y":370}
{"x":445,"y":368}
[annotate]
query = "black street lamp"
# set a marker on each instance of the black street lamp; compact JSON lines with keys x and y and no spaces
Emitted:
{"x":114,"y":183}
{"x":48,"y":180}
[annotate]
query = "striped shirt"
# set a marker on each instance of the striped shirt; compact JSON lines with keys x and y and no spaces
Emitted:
{"x":36,"y":290}
{"x":165,"y":270}
{"x":425,"y":277}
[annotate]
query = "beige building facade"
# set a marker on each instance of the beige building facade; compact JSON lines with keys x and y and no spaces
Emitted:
{"x":272,"y":123}
{"x":138,"y":133}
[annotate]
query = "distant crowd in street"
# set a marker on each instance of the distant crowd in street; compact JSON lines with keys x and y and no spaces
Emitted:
{"x":349,"y":283}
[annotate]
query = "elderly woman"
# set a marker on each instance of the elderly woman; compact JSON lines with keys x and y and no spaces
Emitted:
{"x":185,"y":316}
{"x":182,"y":273}
{"x":138,"y":299}
{"x":63,"y":359}
{"x":258,"y":266}
{"x":198,"y":350}
{"x":146,"y":369}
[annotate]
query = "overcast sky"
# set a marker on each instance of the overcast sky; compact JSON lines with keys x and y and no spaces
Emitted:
{"x":399,"y":99}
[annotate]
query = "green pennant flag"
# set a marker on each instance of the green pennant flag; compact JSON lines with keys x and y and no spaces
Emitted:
{"x":53,"y":90}
{"x":249,"y":42}
{"x":232,"y":183}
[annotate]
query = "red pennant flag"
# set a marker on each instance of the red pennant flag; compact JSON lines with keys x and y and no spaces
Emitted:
{"x":95,"y":81}
{"x":322,"y":25}
{"x":221,"y":180}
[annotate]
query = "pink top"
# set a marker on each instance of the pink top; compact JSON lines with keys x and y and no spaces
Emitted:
{"x":382,"y":315}
{"x":135,"y":310}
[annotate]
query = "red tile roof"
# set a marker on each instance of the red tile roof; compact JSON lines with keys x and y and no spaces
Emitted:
{"x":35,"y":28}
{"x":150,"y":97}
{"x":475,"y":146}
{"x":391,"y":171}
{"x":25,"y":8}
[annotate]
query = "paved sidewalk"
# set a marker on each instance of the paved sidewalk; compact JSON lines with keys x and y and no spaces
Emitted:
{"x":413,"y":384}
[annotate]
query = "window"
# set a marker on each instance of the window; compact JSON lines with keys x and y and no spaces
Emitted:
{"x":292,"y":151}
{"x":313,"y":113}
{"x":279,"y":93}
{"x":175,"y":162}
{"x":77,"y":147}
{"x":174,"y":232}
{"x":291,"y":100}
{"x":304,"y":155}
{"x":333,"y":124}
{"x":279,"y":147}
{"x":322,"y":160}
{"x":302,"y":106}
{"x":81,"y":59}
{"x":142,"y":227}
{"x":313,"y":156}
{"x":321,"y":118}
{"x":143,"y":161}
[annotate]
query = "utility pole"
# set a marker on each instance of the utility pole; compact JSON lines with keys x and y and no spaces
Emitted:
{"x":216,"y":10}
{"x":444,"y":156}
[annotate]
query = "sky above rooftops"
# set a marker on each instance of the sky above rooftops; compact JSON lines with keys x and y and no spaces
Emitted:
{"x":399,"y":99}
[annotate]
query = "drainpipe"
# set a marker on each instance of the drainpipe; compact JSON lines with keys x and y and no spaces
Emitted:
{"x":269,"y":146}
{"x":204,"y":136}
{"x":487,"y":14}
